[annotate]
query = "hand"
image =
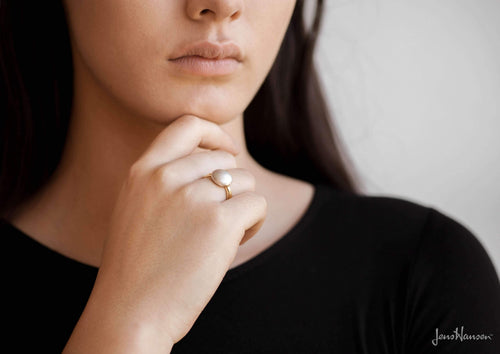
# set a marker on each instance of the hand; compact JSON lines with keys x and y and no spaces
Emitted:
{"x":172,"y":238}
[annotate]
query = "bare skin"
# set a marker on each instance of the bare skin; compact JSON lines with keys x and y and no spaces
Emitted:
{"x":127,"y":128}
{"x":79,"y":203}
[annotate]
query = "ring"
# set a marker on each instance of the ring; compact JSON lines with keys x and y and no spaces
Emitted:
{"x":222,"y":178}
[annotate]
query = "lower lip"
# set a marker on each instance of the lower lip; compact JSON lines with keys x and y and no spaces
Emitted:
{"x":196,"y":65}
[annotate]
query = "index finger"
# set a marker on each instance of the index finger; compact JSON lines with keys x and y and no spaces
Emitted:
{"x":183,"y":136}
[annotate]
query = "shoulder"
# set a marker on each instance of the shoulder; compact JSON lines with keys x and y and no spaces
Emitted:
{"x":407,"y":232}
{"x":394,"y":217}
{"x":378,"y":209}
{"x":371,"y":219}
{"x":428,"y":263}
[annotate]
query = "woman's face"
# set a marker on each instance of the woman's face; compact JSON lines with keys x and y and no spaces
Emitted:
{"x":127,"y":47}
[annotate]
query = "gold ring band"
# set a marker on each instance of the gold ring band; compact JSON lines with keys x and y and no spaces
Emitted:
{"x":229,"y":194}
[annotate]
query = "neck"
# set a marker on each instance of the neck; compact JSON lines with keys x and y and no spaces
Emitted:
{"x":103,"y":141}
{"x":71,"y":212}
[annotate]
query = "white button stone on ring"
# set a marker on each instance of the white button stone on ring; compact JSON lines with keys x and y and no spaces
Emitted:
{"x":222,"y":178}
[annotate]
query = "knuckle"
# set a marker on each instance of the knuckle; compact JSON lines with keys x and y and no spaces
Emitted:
{"x":188,"y":119}
{"x":164,"y":175}
{"x":261,"y":201}
{"x":190,"y":122}
{"x":136,"y":170}
{"x":186,"y":192}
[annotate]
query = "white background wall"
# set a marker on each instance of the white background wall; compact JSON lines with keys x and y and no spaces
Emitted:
{"x":415,"y":90}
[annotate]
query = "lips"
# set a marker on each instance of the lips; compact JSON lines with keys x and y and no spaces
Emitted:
{"x":207,"y":59}
{"x":210,"y":50}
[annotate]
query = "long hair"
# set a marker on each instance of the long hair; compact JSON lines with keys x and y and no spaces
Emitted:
{"x":287,"y":125}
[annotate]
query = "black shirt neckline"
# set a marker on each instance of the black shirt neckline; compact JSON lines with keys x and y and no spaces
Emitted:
{"x":233,"y":273}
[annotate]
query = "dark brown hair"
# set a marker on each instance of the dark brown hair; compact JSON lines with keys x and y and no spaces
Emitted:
{"x":287,"y":125}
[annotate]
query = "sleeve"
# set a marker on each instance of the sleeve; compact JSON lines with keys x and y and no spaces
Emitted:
{"x":453,"y":302}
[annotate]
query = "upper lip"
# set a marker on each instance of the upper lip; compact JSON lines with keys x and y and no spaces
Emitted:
{"x":210,"y":50}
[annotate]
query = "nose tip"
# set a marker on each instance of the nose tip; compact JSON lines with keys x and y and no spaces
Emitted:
{"x":217,"y":10}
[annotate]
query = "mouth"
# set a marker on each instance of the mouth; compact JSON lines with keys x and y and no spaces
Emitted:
{"x":208,"y":59}
{"x":201,"y":66}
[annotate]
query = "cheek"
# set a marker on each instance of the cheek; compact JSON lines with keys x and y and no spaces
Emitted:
{"x":119,"y":46}
{"x":267,"y":25}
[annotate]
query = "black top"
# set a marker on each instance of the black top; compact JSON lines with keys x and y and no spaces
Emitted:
{"x":356,"y":274}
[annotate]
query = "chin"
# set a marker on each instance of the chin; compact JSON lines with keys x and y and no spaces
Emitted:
{"x":217,"y":112}
{"x":216,"y":116}
{"x":214,"y":102}
{"x":218,"y":108}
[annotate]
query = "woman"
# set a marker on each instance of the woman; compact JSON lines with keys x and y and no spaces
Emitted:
{"x":169,"y":183}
